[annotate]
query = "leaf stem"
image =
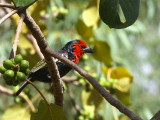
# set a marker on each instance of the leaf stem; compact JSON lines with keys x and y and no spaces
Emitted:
{"x":7,"y":16}
{"x":38,"y":91}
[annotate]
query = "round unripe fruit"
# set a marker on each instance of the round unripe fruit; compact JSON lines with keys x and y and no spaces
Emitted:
{"x":8,"y":75}
{"x":12,"y":60}
{"x":20,"y":77}
{"x":81,"y":118}
{"x":81,"y":81}
{"x":24,"y":64}
{"x":2,"y":69}
{"x":18,"y":58}
{"x":8,"y":64}
{"x":108,"y":84}
{"x":26,"y":72}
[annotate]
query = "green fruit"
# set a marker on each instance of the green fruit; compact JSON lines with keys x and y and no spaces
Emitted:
{"x":81,"y":81}
{"x":81,"y":118}
{"x":15,"y":89}
{"x":12,"y":60}
{"x":26,"y":72}
{"x":20,"y":77}
{"x":8,"y":75}
{"x":17,"y":100}
{"x":24,"y":64}
{"x":108,"y":84}
{"x":8,"y":64}
{"x":85,"y":113}
{"x":26,"y":90}
{"x":18,"y":58}
{"x":2,"y":69}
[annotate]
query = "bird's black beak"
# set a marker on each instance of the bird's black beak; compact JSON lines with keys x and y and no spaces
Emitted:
{"x":88,"y":50}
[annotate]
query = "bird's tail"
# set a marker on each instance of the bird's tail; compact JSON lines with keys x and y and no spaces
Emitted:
{"x":21,"y":88}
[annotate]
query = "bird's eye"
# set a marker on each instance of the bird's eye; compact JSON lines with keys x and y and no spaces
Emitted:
{"x":82,"y":46}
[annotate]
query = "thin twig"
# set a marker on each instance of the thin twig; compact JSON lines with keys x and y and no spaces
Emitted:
{"x":6,"y":91}
{"x":38,"y":91}
{"x":7,"y":16}
{"x":69,"y":79}
{"x":73,"y":80}
{"x":18,"y":31}
{"x":35,"y":45}
{"x":9,"y":92}
{"x":25,"y":97}
{"x":7,"y":5}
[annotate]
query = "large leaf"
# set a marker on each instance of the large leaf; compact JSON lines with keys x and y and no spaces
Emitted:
{"x":83,"y":30}
{"x":23,"y":3}
{"x":109,"y":11}
{"x":90,"y":16}
{"x":16,"y":112}
{"x":92,"y":101}
{"x":51,"y":112}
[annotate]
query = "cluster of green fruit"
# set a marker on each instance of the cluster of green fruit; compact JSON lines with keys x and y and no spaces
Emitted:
{"x":15,"y":70}
{"x":109,"y":84}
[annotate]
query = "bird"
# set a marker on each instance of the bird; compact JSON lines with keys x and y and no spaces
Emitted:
{"x":73,"y":51}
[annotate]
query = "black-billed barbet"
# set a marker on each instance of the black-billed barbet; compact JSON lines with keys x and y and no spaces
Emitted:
{"x":73,"y":50}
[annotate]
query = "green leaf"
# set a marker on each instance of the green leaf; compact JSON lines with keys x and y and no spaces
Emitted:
{"x":102,"y":52}
{"x":92,"y":101}
{"x":90,"y":16}
{"x":123,"y":97}
{"x":111,"y":12}
{"x":16,"y":112}
{"x":23,"y":3}
{"x":51,"y":112}
{"x":83,"y":30}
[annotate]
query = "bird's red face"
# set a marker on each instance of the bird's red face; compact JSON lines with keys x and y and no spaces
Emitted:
{"x":76,"y":49}
{"x":79,"y":48}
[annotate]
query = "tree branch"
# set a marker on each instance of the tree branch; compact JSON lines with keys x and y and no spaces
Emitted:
{"x":43,"y":45}
{"x":7,"y":5}
{"x":18,"y":31}
{"x":6,"y":91}
{"x":8,"y":15}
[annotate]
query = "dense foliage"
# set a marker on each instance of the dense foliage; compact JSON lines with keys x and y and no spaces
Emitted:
{"x":125,"y":61}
